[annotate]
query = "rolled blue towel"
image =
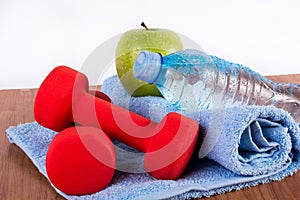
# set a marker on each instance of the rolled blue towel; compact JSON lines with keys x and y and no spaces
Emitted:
{"x":240,"y":147}
{"x":248,"y":140}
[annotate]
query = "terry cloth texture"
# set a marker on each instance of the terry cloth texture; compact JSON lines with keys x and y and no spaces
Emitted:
{"x":256,"y":145}
{"x":241,"y":147}
{"x":248,"y":140}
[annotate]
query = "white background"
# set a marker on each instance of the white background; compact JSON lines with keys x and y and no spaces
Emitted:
{"x":36,"y":36}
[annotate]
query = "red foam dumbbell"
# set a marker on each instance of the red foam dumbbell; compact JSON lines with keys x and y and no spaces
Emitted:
{"x":80,"y":160}
{"x":63,"y":98}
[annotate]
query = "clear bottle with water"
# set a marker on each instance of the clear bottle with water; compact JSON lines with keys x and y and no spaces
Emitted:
{"x":192,"y":81}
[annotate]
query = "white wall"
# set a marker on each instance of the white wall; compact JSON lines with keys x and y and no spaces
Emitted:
{"x":36,"y":36}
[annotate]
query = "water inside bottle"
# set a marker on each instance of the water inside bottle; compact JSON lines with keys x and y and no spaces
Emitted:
{"x":192,"y":81}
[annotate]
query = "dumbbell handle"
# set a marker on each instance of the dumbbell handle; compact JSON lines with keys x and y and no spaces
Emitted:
{"x":119,"y":123}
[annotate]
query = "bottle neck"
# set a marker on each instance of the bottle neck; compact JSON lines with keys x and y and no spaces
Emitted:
{"x":147,"y":66}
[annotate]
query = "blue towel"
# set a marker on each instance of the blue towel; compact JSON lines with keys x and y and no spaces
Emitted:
{"x":248,"y":140}
{"x":256,"y":145}
{"x":241,"y":147}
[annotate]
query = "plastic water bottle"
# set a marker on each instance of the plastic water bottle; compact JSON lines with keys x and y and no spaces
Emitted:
{"x":192,"y":81}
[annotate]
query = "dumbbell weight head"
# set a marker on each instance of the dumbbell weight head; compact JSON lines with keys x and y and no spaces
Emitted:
{"x":169,"y":153}
{"x":55,"y":97}
{"x":80,"y":160}
{"x":53,"y":101}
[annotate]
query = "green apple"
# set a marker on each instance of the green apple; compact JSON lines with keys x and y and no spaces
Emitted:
{"x":161,"y":41}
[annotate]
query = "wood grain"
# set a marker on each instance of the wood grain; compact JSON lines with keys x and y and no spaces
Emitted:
{"x":20,"y":179}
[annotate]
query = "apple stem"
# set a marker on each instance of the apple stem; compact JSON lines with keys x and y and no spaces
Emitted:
{"x":144,"y":25}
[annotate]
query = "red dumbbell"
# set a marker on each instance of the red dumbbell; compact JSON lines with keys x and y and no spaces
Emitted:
{"x":63,"y":98}
{"x":80,"y":160}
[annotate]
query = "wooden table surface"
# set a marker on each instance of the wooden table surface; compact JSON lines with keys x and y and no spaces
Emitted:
{"x":20,"y":179}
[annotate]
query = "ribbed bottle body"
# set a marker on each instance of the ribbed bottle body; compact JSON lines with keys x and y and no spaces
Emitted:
{"x":193,"y":81}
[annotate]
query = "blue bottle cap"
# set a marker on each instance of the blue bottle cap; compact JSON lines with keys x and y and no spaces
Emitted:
{"x":147,"y":66}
